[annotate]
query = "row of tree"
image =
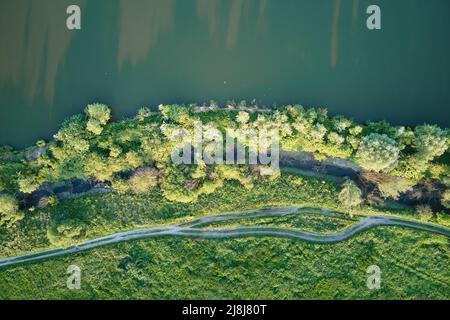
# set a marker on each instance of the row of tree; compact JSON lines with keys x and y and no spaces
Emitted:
{"x":89,"y":146}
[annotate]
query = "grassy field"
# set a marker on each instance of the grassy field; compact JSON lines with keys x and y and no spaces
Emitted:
{"x":414,"y":265}
{"x":76,"y":220}
{"x":306,"y":222}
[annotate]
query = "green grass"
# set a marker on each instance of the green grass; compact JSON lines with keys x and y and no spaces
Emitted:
{"x":414,"y":265}
{"x":97,"y":215}
{"x":307,"y":222}
{"x":102,"y":214}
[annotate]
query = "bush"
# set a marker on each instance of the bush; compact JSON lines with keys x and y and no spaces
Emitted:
{"x":424,"y":212}
{"x":411,"y":167}
{"x":242,"y":117}
{"x":241,"y":174}
{"x":446,"y":199}
{"x":143,"y":113}
{"x":133,"y":160}
{"x":98,"y":115}
{"x":53,"y":200}
{"x":98,"y":167}
{"x":377,"y":152}
{"x":94,"y":127}
{"x":430,"y":141}
{"x":9,"y":208}
{"x":120,"y":186}
{"x":99,"y":112}
{"x":27,"y":183}
{"x":41,"y":143}
{"x":393,"y":187}
{"x":177,"y":113}
{"x":70,"y":230}
{"x":295,"y":180}
{"x":350,"y":195}
{"x":143,"y":180}
{"x":72,"y":128}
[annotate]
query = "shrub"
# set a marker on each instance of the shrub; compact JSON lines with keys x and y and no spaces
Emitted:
{"x":393,"y":187}
{"x":98,"y":167}
{"x":318,"y":132}
{"x":133,"y":159}
{"x":53,"y":200}
{"x":98,"y":115}
{"x":335,"y":138}
{"x":72,"y":128}
{"x":430,"y":141}
{"x":340,"y":123}
{"x":411,"y":167}
{"x":209,"y":187}
{"x":229,"y":172}
{"x":143,"y":113}
{"x":115,"y":151}
{"x":120,"y":186}
{"x":296,"y":181}
{"x":99,"y":112}
{"x":70,"y":229}
{"x":350,"y":195}
{"x":143,"y":180}
{"x":9,"y":208}
{"x":243,"y":117}
{"x":94,"y":127}
{"x":177,"y":113}
{"x":446,"y":199}
{"x":27,"y":183}
{"x":6,"y":151}
{"x":41,"y":143}
{"x":424,"y":212}
{"x":377,"y":152}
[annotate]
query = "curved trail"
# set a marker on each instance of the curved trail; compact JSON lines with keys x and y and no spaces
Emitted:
{"x":192,"y":229}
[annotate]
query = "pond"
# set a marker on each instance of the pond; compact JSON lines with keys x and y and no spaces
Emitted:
{"x":130,"y":54}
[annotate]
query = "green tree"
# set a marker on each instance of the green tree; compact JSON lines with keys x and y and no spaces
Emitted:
{"x":98,"y":115}
{"x":94,"y":126}
{"x":350,"y":195}
{"x":377,"y":152}
{"x":393,"y":187}
{"x":143,"y":180}
{"x":9,"y":208}
{"x":143,"y":113}
{"x":242,"y":117}
{"x":424,"y":212}
{"x":446,"y":199}
{"x":72,"y":139}
{"x":99,"y":112}
{"x":177,"y":187}
{"x":239,"y":173}
{"x":98,"y":167}
{"x":72,"y":128}
{"x":27,"y":183}
{"x":430,"y":141}
{"x":180,"y":114}
{"x":340,"y":123}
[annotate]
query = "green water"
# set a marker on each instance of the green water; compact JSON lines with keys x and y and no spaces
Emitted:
{"x":133,"y":53}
